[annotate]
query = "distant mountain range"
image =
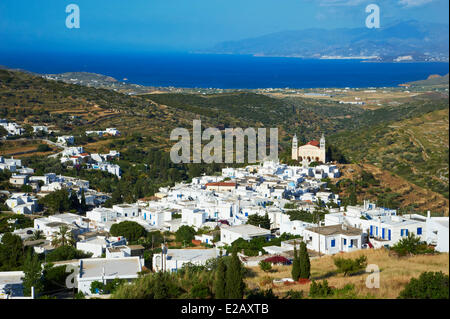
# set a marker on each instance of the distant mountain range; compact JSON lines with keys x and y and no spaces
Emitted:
{"x":399,"y":42}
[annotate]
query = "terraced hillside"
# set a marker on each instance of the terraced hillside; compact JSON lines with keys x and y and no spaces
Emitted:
{"x":416,"y":149}
{"x":409,"y":139}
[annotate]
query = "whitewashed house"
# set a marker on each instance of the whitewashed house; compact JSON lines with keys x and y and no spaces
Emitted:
{"x":229,"y":234}
{"x":22,"y":203}
{"x":173,"y":259}
{"x":97,"y":245}
{"x":106,"y":270}
{"x":66,"y":140}
{"x":331,"y":240}
{"x":436,"y":229}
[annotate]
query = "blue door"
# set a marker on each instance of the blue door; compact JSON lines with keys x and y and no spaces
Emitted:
{"x":389,"y":234}
{"x":382,"y":232}
{"x":371,"y":230}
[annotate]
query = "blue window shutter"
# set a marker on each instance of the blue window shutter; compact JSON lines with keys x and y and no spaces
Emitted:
{"x":406,"y":232}
{"x":345,"y":242}
{"x":419,"y":231}
{"x":382,"y":232}
{"x":389,"y":234}
{"x":371,"y":230}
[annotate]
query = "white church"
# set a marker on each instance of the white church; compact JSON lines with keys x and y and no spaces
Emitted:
{"x":313,"y":151}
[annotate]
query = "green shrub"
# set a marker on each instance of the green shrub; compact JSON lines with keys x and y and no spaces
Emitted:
{"x":185,"y":234}
{"x":320,"y":290}
{"x":411,"y":245}
{"x":132,"y":231}
{"x":265,"y":266}
{"x":350,"y":266}
{"x":429,"y":285}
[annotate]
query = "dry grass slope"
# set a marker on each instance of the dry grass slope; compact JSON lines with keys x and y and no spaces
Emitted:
{"x":395,"y":273}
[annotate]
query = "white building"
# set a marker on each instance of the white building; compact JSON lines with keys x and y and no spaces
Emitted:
{"x":436,"y":229}
{"x":18,"y":180}
{"x":229,"y":234}
{"x":174,"y":259}
{"x":126,"y":210}
{"x":40,"y":128}
{"x":21,"y":203}
{"x":11,"y":127}
{"x":294,"y":227}
{"x":106,"y":270}
{"x":66,"y":140}
{"x":332,"y":239}
{"x":11,"y":284}
{"x":382,"y":225}
{"x":97,"y":245}
{"x":312,"y":151}
{"x":193,"y":217}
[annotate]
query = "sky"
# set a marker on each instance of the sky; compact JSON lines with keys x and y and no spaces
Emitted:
{"x":185,"y":25}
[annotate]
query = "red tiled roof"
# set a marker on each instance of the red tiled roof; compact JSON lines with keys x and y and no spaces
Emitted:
{"x":221,"y":184}
{"x":313,"y":143}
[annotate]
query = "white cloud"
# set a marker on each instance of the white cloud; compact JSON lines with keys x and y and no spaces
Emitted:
{"x":414,"y":3}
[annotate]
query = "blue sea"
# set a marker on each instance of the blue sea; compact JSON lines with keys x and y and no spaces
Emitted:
{"x":226,"y":71}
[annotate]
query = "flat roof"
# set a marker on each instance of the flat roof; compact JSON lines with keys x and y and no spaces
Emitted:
{"x":335,"y":230}
{"x":11,"y":277}
{"x":249,"y":230}
{"x":114,"y":267}
{"x":192,"y":255}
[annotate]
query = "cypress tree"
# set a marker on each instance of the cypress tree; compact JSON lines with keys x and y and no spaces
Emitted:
{"x":83,"y":206}
{"x":219,"y":283}
{"x":305,"y":264}
{"x":74,"y":203}
{"x":33,"y":276}
{"x":234,"y":280}
{"x":295,"y":272}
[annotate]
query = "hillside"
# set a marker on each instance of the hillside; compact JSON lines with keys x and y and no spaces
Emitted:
{"x":389,"y":190}
{"x":433,"y":81}
{"x":395,"y":273}
{"x":406,"y":138}
{"x":415,"y":149}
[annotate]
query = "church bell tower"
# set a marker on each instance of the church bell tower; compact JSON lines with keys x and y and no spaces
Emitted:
{"x":322,"y":142}
{"x":295,"y":148}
